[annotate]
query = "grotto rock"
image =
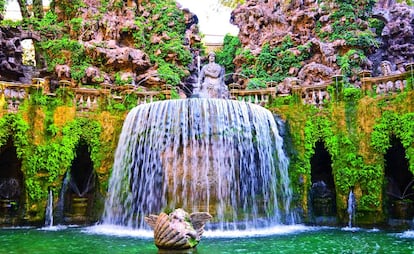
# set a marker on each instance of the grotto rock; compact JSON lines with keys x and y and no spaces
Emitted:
{"x":11,"y":55}
{"x":397,"y":35}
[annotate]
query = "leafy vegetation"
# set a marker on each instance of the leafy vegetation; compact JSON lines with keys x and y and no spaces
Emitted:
{"x":231,"y":48}
{"x":273,"y":63}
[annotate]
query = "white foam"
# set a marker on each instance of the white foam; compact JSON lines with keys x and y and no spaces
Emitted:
{"x":407,"y":234}
{"x":120,"y":231}
{"x":352,"y":229}
{"x":275,"y":230}
{"x":54,"y":228}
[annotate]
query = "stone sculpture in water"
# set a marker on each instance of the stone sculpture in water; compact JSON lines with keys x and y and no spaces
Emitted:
{"x":211,"y":81}
{"x":178,"y":230}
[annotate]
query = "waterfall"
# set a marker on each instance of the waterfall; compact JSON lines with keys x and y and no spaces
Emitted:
{"x":59,"y":213}
{"x":220,"y":156}
{"x":49,"y":210}
{"x":351,"y":208}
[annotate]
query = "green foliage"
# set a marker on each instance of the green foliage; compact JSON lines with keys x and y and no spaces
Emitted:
{"x":345,"y":27}
{"x":391,"y":124}
{"x":255,"y":83}
{"x":225,"y":56}
{"x":66,"y":51}
{"x":55,"y":157}
{"x":171,"y":69}
{"x":70,"y":7}
{"x":273,"y":63}
{"x":2,"y":6}
{"x":377,"y":25}
{"x":351,"y":61}
{"x":169,"y":72}
{"x":46,"y":26}
{"x":13,"y":125}
{"x":10,"y":23}
{"x":119,"y":81}
{"x":352,"y":94}
{"x":76,"y":23}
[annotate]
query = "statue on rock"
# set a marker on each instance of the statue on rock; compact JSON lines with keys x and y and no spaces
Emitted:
{"x":178,"y":230}
{"x":211,"y":81}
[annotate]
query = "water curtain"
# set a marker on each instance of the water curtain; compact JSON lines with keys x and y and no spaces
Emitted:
{"x":220,"y":156}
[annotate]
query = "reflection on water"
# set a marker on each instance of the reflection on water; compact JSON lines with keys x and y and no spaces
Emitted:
{"x":277,"y":240}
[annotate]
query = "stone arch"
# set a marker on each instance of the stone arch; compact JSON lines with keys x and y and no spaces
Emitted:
{"x":399,"y":181}
{"x":11,"y":183}
{"x":323,"y":192}
{"x":81,"y":184}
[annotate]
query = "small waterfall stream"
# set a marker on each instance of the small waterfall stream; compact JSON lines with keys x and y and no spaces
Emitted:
{"x":49,"y":210}
{"x":351,"y":208}
{"x":220,"y":156}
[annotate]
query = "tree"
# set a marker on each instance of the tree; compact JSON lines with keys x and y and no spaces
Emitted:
{"x":23,"y":9}
{"x":38,"y":9}
{"x":2,"y":9}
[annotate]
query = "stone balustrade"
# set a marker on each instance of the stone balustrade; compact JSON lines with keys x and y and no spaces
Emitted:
{"x":87,"y":99}
{"x":388,"y":84}
{"x":256,"y":96}
{"x":143,"y":96}
{"x":12,"y":94}
{"x":316,"y":95}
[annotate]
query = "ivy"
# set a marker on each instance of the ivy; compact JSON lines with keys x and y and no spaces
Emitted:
{"x":273,"y":62}
{"x":55,"y":158}
{"x":225,"y":56}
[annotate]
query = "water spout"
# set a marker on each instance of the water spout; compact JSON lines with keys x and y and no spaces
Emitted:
{"x":59,"y":213}
{"x":351,"y":208}
{"x":49,"y":210}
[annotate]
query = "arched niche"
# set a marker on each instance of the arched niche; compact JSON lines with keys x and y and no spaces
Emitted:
{"x":323,"y":186}
{"x":11,"y":182}
{"x":81,"y":184}
{"x":399,"y":181}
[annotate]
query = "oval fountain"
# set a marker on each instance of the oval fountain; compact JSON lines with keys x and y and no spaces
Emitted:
{"x":203,"y":154}
{"x":215,"y":155}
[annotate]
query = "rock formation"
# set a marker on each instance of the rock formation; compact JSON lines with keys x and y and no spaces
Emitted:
{"x":140,"y":43}
{"x":327,"y":35}
{"x":11,"y":55}
{"x":397,"y":35}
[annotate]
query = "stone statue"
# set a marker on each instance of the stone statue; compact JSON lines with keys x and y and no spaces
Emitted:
{"x":211,"y":81}
{"x":178,"y":230}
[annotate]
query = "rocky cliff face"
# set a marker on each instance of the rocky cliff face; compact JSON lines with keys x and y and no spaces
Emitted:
{"x":131,"y":42}
{"x":397,"y":36}
{"x":326,"y":37}
{"x":11,"y":55}
{"x":109,"y":43}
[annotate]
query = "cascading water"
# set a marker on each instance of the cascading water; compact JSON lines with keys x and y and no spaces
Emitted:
{"x":49,"y":210}
{"x":220,"y":156}
{"x":351,"y":208}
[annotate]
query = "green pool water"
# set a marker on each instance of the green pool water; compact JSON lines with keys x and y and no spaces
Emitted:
{"x":302,"y":240}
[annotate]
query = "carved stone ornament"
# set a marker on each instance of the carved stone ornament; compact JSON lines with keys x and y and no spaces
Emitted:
{"x":177,"y":230}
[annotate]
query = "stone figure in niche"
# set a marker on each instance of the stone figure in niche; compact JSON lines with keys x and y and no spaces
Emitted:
{"x":211,"y":80}
{"x":386,"y":69}
{"x":389,"y":86}
{"x":178,"y":230}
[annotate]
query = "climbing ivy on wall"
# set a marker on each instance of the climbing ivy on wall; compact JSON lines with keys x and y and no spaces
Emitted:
{"x":400,"y":125}
{"x":55,"y":158}
{"x":273,"y":62}
{"x":171,"y":25}
{"x":13,"y":125}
